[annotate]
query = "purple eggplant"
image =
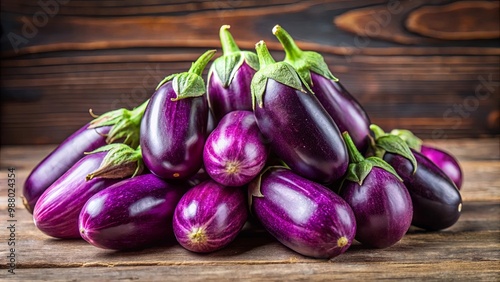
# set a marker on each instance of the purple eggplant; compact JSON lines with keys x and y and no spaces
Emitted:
{"x":174,"y":125}
{"x":234,"y":152}
{"x":131,"y":214}
{"x":209,"y":216}
{"x":444,"y":160}
{"x":303,"y":215}
{"x":229,"y":77}
{"x":345,"y":110}
{"x":57,"y":210}
{"x":379,"y":199}
{"x":299,"y":129}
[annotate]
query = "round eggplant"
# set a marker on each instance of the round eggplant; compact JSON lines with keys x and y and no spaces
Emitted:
{"x":303,"y":215}
{"x":209,"y":216}
{"x":299,"y":129}
{"x":131,"y":214}
{"x":436,"y":200}
{"x":446,"y":162}
{"x":174,"y":125}
{"x":234,"y":152}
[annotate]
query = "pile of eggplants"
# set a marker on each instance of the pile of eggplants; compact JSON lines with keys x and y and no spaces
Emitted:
{"x":283,"y":144}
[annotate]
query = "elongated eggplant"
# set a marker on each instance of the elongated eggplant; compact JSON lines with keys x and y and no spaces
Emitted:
{"x":174,"y":125}
{"x":299,"y":129}
{"x":234,"y":152}
{"x":209,"y":216}
{"x":345,"y":110}
{"x":436,"y":200}
{"x":303,"y":215}
{"x":229,"y":77}
{"x":379,"y":199}
{"x":131,"y":214}
{"x":57,"y":210}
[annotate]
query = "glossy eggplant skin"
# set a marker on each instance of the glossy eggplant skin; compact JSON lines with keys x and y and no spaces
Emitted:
{"x":302,"y":133}
{"x":436,"y":200}
{"x":382,"y":207}
{"x":446,"y":162}
{"x":57,"y":210}
{"x":345,"y":110}
{"x":236,"y":96}
{"x":234,"y":152}
{"x":209,"y":216}
{"x":303,"y":215}
{"x":60,"y":160}
{"x":173,"y":134}
{"x":131,"y":214}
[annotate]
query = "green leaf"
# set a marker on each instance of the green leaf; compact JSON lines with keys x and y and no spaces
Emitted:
{"x":165,"y":80}
{"x":411,"y":139}
{"x":251,"y":59}
{"x":188,"y":85}
{"x":378,"y":162}
{"x":396,"y":145}
{"x":120,"y":161}
{"x":226,"y":66}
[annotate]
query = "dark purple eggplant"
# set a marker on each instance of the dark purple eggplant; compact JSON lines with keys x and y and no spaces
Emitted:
{"x":444,"y":160}
{"x":303,"y":215}
{"x":57,"y":210}
{"x":209,"y":216}
{"x":292,"y":119}
{"x":131,"y":214}
{"x":379,"y":199}
{"x":174,"y":125}
{"x":229,"y":77}
{"x":345,"y":110}
{"x":234,"y":152}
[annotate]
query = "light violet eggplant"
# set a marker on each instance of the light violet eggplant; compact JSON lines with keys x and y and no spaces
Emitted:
{"x":234,"y":152}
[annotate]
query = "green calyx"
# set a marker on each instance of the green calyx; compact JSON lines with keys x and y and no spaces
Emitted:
{"x":190,"y":84}
{"x":304,"y":62}
{"x":125,"y":124}
{"x":281,"y":72}
{"x":120,"y":161}
{"x":359,"y":167}
{"x":230,"y":62}
{"x":393,"y":144}
{"x":411,"y":139}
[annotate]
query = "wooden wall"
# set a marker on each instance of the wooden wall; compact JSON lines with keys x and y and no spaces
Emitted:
{"x":430,"y":66}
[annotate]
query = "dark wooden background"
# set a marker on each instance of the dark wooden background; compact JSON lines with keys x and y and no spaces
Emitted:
{"x":430,"y":66}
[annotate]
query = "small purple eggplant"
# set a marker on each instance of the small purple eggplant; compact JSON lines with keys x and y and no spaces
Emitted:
{"x":229,"y":78}
{"x":131,"y":214}
{"x":209,"y":216}
{"x":345,"y":110}
{"x":303,"y":215}
{"x":174,"y":125}
{"x":57,"y":210}
{"x":378,"y":198}
{"x":234,"y":152}
{"x":298,"y":128}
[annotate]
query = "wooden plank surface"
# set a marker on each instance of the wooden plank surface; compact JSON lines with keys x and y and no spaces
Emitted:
{"x":469,"y":250}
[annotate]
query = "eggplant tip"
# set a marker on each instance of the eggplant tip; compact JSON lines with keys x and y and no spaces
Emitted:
{"x":226,"y":26}
{"x":342,"y":242}
{"x":197,"y":235}
{"x":276,"y":28}
{"x":460,"y":207}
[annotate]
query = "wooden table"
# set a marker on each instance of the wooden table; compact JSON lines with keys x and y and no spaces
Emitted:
{"x":469,"y":250}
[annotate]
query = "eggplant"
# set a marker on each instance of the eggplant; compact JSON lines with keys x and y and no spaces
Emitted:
{"x":444,"y":160}
{"x":379,"y":199}
{"x":209,"y":216}
{"x":57,"y":210}
{"x":229,"y":77}
{"x":131,"y":214}
{"x":345,"y":110}
{"x":299,"y":129}
{"x":436,"y":200}
{"x":174,"y":125}
{"x":303,"y":215}
{"x":234,"y":152}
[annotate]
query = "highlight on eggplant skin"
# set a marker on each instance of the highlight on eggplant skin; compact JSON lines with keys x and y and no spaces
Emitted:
{"x":234,"y":152}
{"x":132,"y":214}
{"x":446,"y":162}
{"x":62,"y":158}
{"x":209,"y":216}
{"x":303,"y":215}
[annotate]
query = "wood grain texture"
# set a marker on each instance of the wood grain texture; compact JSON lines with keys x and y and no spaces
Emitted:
{"x":109,"y":54}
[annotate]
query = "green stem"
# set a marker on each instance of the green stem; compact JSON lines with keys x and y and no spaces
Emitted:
{"x":200,"y":64}
{"x":292,"y":51}
{"x":354,"y":154}
{"x":379,"y":132}
{"x":265,"y":58}
{"x":227,"y":41}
